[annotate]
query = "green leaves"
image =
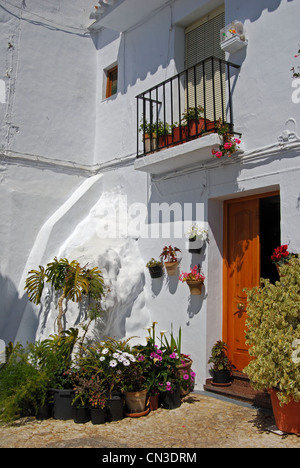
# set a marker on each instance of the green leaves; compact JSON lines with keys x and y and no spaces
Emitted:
{"x":35,"y":284}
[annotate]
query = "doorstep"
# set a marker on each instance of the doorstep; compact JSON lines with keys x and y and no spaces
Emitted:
{"x":241,"y":390}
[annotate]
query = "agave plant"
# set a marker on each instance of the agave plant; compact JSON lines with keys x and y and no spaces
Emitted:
{"x":70,"y":278}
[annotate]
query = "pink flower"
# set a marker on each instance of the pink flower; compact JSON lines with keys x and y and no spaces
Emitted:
{"x":141,"y":358}
{"x":173,"y":356}
{"x":213,"y":151}
{"x":219,"y":154}
{"x":227,"y":145}
{"x":186,"y":376}
{"x":237,"y":141}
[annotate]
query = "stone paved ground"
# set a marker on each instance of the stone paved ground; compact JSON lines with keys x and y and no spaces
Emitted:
{"x":202,"y":421}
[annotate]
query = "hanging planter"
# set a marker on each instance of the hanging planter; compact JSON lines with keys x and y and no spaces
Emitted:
{"x":155,"y":268}
{"x":195,"y":287}
{"x":196,"y":238}
{"x":169,"y":254}
{"x":194,"y":280}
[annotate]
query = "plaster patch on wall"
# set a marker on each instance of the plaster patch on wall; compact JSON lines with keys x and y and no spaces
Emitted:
{"x":123,"y":270}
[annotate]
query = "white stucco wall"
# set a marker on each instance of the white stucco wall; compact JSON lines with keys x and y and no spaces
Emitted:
{"x":70,"y":153}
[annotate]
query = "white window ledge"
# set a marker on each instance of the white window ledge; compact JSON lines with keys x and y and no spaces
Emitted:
{"x":182,"y":156}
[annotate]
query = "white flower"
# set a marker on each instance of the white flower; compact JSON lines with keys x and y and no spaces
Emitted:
{"x":102,"y":358}
{"x":105,"y":351}
{"x":116,"y":355}
{"x":113,"y":363}
{"x":126,"y":362}
{"x":121,"y":358}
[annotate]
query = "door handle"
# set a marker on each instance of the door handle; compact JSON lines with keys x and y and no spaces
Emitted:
{"x":241,"y":306}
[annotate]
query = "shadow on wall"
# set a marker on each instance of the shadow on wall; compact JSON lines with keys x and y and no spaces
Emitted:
{"x":12,"y":311}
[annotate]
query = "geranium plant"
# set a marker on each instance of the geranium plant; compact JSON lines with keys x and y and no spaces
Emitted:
{"x":193,"y":275}
{"x":229,"y":144}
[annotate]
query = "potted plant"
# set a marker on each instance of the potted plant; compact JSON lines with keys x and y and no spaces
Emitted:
{"x":273,"y":334}
{"x":149,"y":131}
{"x":222,"y":369}
{"x":54,"y":356}
{"x":229,"y":144}
{"x":70,"y":279}
{"x":169,"y":255}
{"x":80,"y":405}
{"x":97,"y":398}
{"x":281,"y":256}
{"x":194,"y":279}
{"x":155,"y":268}
{"x":196,"y":237}
{"x":194,"y":121}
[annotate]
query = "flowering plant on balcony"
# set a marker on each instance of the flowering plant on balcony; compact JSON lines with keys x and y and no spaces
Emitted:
{"x":193,"y":275}
{"x":229,"y":144}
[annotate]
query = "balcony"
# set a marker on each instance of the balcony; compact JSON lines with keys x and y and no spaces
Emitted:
{"x":181,"y":116}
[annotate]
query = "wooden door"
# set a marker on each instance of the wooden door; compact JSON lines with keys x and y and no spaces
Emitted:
{"x":241,"y":270}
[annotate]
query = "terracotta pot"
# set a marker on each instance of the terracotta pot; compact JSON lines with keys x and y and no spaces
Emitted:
{"x":136,"y":401}
{"x":287,"y":417}
{"x":171,"y":268}
{"x":179,"y":135}
{"x":153,"y":402}
{"x":195,"y":287}
{"x":164,"y":141}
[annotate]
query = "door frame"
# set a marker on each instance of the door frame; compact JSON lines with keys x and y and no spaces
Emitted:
{"x":225,"y":332}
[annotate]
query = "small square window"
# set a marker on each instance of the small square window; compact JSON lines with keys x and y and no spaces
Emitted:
{"x":112,"y":81}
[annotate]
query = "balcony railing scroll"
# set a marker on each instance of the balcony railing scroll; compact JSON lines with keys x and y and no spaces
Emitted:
{"x":185,"y":106}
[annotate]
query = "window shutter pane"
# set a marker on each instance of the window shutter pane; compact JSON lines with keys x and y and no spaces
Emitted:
{"x":203,"y":42}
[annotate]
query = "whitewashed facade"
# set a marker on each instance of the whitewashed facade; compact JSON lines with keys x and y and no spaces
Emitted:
{"x":71,"y":184}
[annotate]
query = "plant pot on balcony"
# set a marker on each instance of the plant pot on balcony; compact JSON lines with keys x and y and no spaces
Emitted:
{"x":150,"y":143}
{"x":164,"y":141}
{"x":179,"y":135}
{"x":196,"y":128}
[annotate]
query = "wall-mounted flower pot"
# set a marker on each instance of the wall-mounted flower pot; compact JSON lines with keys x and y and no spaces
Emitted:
{"x":195,"y":245}
{"x":156,"y":271}
{"x":171,"y":268}
{"x":195,"y":287}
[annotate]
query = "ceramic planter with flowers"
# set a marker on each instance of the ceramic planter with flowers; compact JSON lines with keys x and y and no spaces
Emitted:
{"x":169,"y":255}
{"x":196,"y":238}
{"x":194,"y":279}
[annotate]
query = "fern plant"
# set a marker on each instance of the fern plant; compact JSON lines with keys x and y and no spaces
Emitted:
{"x":71,"y":279}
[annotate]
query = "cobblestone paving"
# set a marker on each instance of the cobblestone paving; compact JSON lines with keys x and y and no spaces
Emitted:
{"x":201,"y":421}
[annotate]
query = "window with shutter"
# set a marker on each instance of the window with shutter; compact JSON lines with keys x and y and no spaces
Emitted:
{"x":206,"y":82}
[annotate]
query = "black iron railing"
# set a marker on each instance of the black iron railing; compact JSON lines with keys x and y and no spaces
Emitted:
{"x":186,"y":106}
